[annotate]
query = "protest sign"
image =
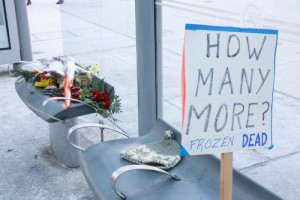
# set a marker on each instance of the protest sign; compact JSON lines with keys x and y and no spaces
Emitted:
{"x":227,"y":89}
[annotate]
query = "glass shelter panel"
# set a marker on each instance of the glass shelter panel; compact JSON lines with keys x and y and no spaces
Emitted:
{"x":279,"y":15}
{"x":103,"y":32}
{"x":246,"y":14}
{"x":4,"y":35}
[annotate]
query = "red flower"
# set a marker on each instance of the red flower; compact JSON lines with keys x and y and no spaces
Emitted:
{"x":97,"y":97}
{"x":75,"y":89}
{"x":94,"y":92}
{"x":76,"y":93}
{"x":106,"y":97}
{"x":43,"y":76}
{"x":107,"y":104}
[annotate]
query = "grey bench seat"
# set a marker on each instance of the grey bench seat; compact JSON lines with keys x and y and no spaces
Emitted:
{"x":200,"y":175}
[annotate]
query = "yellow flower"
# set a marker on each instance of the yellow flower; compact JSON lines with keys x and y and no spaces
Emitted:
{"x":93,"y":69}
{"x":45,"y":82}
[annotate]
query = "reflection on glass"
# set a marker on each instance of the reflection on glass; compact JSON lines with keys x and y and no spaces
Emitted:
{"x":4,"y":38}
{"x":103,"y":32}
{"x":246,"y":14}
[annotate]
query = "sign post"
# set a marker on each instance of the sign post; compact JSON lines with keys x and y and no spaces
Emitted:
{"x":227,"y":93}
{"x":226,"y":176}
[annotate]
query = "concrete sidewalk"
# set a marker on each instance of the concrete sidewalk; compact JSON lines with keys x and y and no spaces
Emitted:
{"x":90,"y":31}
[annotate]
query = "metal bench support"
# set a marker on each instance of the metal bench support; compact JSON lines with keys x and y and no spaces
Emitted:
{"x":60,"y":146}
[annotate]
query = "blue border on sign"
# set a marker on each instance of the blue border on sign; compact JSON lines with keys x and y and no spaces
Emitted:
{"x":272,"y":145}
{"x":183,"y":152}
{"x":228,"y":28}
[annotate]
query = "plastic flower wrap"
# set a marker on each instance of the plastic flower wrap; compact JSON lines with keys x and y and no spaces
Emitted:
{"x":68,"y":81}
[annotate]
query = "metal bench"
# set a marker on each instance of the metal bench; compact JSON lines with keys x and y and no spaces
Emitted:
{"x":196,"y":177}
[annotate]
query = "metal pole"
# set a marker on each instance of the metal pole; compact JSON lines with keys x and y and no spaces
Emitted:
{"x":23,"y":30}
{"x":147,"y":79}
{"x":159,"y":49}
{"x":61,"y":148}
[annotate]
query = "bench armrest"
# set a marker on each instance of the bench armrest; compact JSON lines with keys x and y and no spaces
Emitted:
{"x":85,"y":125}
{"x":124,"y":169}
{"x":61,"y":98}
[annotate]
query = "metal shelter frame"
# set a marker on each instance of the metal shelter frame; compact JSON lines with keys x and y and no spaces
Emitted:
{"x":149,"y":63}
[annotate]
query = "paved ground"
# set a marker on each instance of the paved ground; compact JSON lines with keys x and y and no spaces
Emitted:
{"x":90,"y":31}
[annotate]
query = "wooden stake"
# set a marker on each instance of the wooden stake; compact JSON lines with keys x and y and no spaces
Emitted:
{"x":226,"y":176}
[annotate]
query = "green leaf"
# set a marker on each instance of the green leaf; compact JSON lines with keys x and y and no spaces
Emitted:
{"x":100,"y":86}
{"x":26,"y":74}
{"x":116,"y":105}
{"x":84,"y":93}
{"x":111,"y":94}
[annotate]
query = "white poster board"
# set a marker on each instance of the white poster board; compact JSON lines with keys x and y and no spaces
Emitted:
{"x":227,"y":89}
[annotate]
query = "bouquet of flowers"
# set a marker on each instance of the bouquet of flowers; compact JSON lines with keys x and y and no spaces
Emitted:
{"x":57,"y":79}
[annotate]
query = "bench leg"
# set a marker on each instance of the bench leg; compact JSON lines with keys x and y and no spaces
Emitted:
{"x":62,"y":150}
